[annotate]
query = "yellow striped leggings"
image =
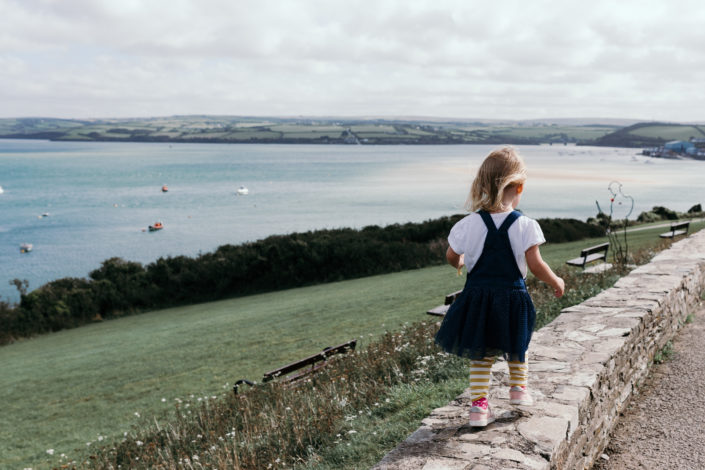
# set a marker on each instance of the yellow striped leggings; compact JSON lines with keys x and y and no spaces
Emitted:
{"x":480,"y":375}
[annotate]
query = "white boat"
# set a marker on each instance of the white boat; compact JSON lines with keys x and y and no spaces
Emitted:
{"x":26,"y":247}
{"x":1,"y":190}
{"x":242,"y":191}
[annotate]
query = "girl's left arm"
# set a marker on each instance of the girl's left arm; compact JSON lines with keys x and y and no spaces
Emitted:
{"x":543,"y":271}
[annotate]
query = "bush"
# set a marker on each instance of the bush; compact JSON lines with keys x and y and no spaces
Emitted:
{"x":277,"y":262}
{"x":568,"y":230}
{"x":658,"y":213}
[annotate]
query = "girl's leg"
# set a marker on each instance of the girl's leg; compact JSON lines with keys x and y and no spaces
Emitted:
{"x":518,"y":378}
{"x":480,"y":374}
{"x":518,"y":373}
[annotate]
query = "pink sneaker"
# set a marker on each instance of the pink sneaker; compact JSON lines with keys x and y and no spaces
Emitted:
{"x":520,"y":396}
{"x":480,"y":413}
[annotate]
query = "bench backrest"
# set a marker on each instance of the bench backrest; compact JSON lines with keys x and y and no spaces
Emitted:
{"x":450,"y":298}
{"x":595,"y":249}
{"x":680,"y":225}
{"x":309,"y":361}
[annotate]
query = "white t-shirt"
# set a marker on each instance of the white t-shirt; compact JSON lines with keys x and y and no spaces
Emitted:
{"x":468,"y":237}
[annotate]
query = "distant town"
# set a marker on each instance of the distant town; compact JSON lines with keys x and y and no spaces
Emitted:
{"x":693,"y":148}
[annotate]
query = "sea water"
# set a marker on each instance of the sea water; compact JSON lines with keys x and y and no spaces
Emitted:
{"x":79,"y":203}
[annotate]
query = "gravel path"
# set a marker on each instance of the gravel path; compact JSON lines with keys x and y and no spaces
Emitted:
{"x":663,"y":426}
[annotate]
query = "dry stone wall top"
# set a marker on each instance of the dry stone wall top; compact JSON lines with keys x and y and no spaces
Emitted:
{"x":583,"y":367}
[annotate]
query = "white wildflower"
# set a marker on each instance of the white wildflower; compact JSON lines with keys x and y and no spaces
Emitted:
{"x":139,"y":443}
{"x":50,"y":451}
{"x":352,"y":431}
{"x":137,"y":414}
{"x":163,"y":400}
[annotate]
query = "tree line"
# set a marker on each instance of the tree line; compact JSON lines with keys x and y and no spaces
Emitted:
{"x":119,"y":287}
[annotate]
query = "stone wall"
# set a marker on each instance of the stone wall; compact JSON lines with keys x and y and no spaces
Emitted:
{"x":583,"y":368}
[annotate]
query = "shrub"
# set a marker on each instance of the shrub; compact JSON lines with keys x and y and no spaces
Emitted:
{"x":120,"y":287}
{"x":658,"y":213}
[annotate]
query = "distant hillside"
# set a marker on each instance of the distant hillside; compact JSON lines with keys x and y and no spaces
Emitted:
{"x":243,"y":129}
{"x":650,"y":134}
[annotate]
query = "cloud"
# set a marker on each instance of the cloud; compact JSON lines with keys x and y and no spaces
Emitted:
{"x":504,"y":59}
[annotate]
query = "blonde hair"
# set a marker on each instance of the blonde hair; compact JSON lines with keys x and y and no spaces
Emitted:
{"x":502,"y":168}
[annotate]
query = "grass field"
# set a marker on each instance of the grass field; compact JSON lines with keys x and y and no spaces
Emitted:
{"x":67,"y":389}
{"x":670,"y":132}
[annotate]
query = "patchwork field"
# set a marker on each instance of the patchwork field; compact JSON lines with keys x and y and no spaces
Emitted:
{"x":304,"y":130}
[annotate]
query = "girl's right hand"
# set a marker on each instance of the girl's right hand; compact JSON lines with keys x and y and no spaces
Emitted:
{"x":559,"y":288}
{"x":461,"y":263}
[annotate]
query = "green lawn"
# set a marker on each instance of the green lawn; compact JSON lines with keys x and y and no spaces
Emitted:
{"x":66,"y":389}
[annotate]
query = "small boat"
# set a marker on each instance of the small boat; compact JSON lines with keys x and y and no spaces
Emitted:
{"x":26,"y":247}
{"x":165,"y":188}
{"x":156,"y":226}
{"x":242,"y":191}
{"x":1,"y":190}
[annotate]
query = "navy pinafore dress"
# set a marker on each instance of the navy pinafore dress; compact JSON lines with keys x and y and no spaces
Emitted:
{"x":494,"y":314}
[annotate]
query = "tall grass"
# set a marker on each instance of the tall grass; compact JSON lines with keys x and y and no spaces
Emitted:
{"x":276,"y":424}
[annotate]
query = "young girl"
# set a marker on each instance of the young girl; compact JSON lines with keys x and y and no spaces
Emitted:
{"x":494,"y":313}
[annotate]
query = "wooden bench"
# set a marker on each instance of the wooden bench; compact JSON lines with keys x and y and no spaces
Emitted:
{"x":589,"y":255}
{"x":677,"y":228}
{"x":302,"y":368}
{"x":442,"y":309}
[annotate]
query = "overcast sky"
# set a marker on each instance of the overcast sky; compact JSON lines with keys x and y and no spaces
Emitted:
{"x":470,"y":59}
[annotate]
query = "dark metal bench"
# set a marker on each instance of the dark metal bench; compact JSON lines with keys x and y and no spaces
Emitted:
{"x":442,"y":309}
{"x":677,"y":228}
{"x":589,"y":255}
{"x":302,"y":368}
